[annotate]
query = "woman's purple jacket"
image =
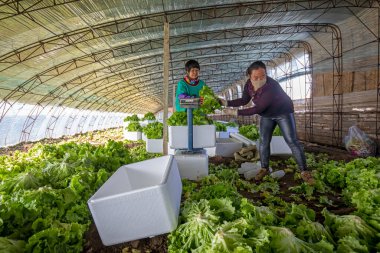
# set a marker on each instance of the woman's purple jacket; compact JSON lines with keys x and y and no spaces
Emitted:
{"x":269,"y":101}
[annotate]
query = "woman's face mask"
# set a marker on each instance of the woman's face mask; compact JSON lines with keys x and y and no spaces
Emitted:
{"x":259,"y":83}
{"x":258,"y":78}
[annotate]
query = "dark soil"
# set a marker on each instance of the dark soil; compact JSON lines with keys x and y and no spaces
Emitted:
{"x":94,"y":244}
{"x":159,"y":243}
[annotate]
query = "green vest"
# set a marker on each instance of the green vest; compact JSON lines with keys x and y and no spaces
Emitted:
{"x":185,"y":88}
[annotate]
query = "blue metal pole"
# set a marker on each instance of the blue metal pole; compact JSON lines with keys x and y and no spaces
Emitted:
{"x":190,"y":128}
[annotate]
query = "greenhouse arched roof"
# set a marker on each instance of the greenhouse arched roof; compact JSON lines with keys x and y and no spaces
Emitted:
{"x":108,"y":55}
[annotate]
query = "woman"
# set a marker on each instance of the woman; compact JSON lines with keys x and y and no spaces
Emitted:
{"x":275,"y":108}
{"x":190,"y":85}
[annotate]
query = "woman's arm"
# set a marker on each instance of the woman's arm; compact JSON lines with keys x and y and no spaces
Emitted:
{"x":182,"y":91}
{"x":241,"y":101}
{"x":260,"y":104}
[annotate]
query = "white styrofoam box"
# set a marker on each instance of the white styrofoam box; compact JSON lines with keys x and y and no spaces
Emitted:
{"x":278,"y":146}
{"x":227,"y":147}
{"x":232,"y":129}
{"x":192,"y":166}
{"x":211,"y":151}
{"x":243,"y":139}
{"x":154,"y":145}
{"x":248,"y":175}
{"x":143,"y":137}
{"x":224,"y":147}
{"x":203,"y":136}
{"x":139,"y":200}
{"x":222,"y":135}
{"x":247,"y":166}
{"x":171,"y":151}
{"x":132,"y":136}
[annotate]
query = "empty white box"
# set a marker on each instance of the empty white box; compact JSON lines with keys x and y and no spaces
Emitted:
{"x":132,"y":136}
{"x":139,"y":200}
{"x":222,"y":135}
{"x":154,"y":145}
{"x":243,"y":139}
{"x":192,"y":166}
{"x":225,"y":147}
{"x":203,"y":136}
{"x":232,"y":129}
{"x":278,"y":146}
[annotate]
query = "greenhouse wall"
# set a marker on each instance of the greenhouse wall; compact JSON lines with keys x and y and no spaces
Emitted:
{"x":16,"y":123}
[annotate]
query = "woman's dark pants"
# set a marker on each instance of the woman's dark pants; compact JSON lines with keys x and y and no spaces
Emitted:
{"x":287,"y":125}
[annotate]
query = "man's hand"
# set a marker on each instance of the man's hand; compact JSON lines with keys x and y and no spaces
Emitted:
{"x":222,"y":102}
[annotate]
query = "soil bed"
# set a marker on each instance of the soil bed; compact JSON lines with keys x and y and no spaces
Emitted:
{"x":159,"y":243}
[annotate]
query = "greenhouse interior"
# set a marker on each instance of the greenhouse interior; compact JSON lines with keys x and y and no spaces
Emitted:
{"x":207,"y":126}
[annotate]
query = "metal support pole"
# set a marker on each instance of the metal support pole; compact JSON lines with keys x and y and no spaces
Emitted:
{"x":174,"y":97}
{"x":166,"y":87}
{"x":190,"y":129}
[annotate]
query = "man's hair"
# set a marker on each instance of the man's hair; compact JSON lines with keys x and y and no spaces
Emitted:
{"x":192,"y":64}
{"x":256,"y":65}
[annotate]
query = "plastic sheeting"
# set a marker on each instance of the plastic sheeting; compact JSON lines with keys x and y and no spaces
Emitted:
{"x":70,"y":122}
{"x":107,"y":55}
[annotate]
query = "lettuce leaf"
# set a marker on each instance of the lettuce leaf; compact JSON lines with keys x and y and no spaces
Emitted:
{"x":350,"y":244}
{"x":350,"y":225}
{"x":313,"y":232}
{"x":133,"y":117}
{"x":200,"y":224}
{"x":249,"y":131}
{"x":284,"y":241}
{"x":228,"y":237}
{"x":11,"y":246}
{"x":134,"y":127}
{"x":149,"y":116}
{"x":154,"y":130}
{"x":210,"y":101}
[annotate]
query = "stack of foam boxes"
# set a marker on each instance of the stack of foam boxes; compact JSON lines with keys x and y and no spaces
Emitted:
{"x":139,"y":200}
{"x":192,"y":166}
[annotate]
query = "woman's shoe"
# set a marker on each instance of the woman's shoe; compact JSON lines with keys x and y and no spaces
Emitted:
{"x":262,"y":173}
{"x":307,"y":177}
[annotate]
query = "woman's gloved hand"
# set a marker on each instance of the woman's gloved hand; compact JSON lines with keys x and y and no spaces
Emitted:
{"x":231,"y":112}
{"x":222,"y":102}
{"x":201,"y":101}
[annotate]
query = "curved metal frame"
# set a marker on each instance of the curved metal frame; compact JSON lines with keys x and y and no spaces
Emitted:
{"x":238,"y":72}
{"x":287,"y":28}
{"x":230,"y":10}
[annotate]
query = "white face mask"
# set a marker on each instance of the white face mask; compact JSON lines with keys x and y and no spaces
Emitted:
{"x":259,"y":83}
